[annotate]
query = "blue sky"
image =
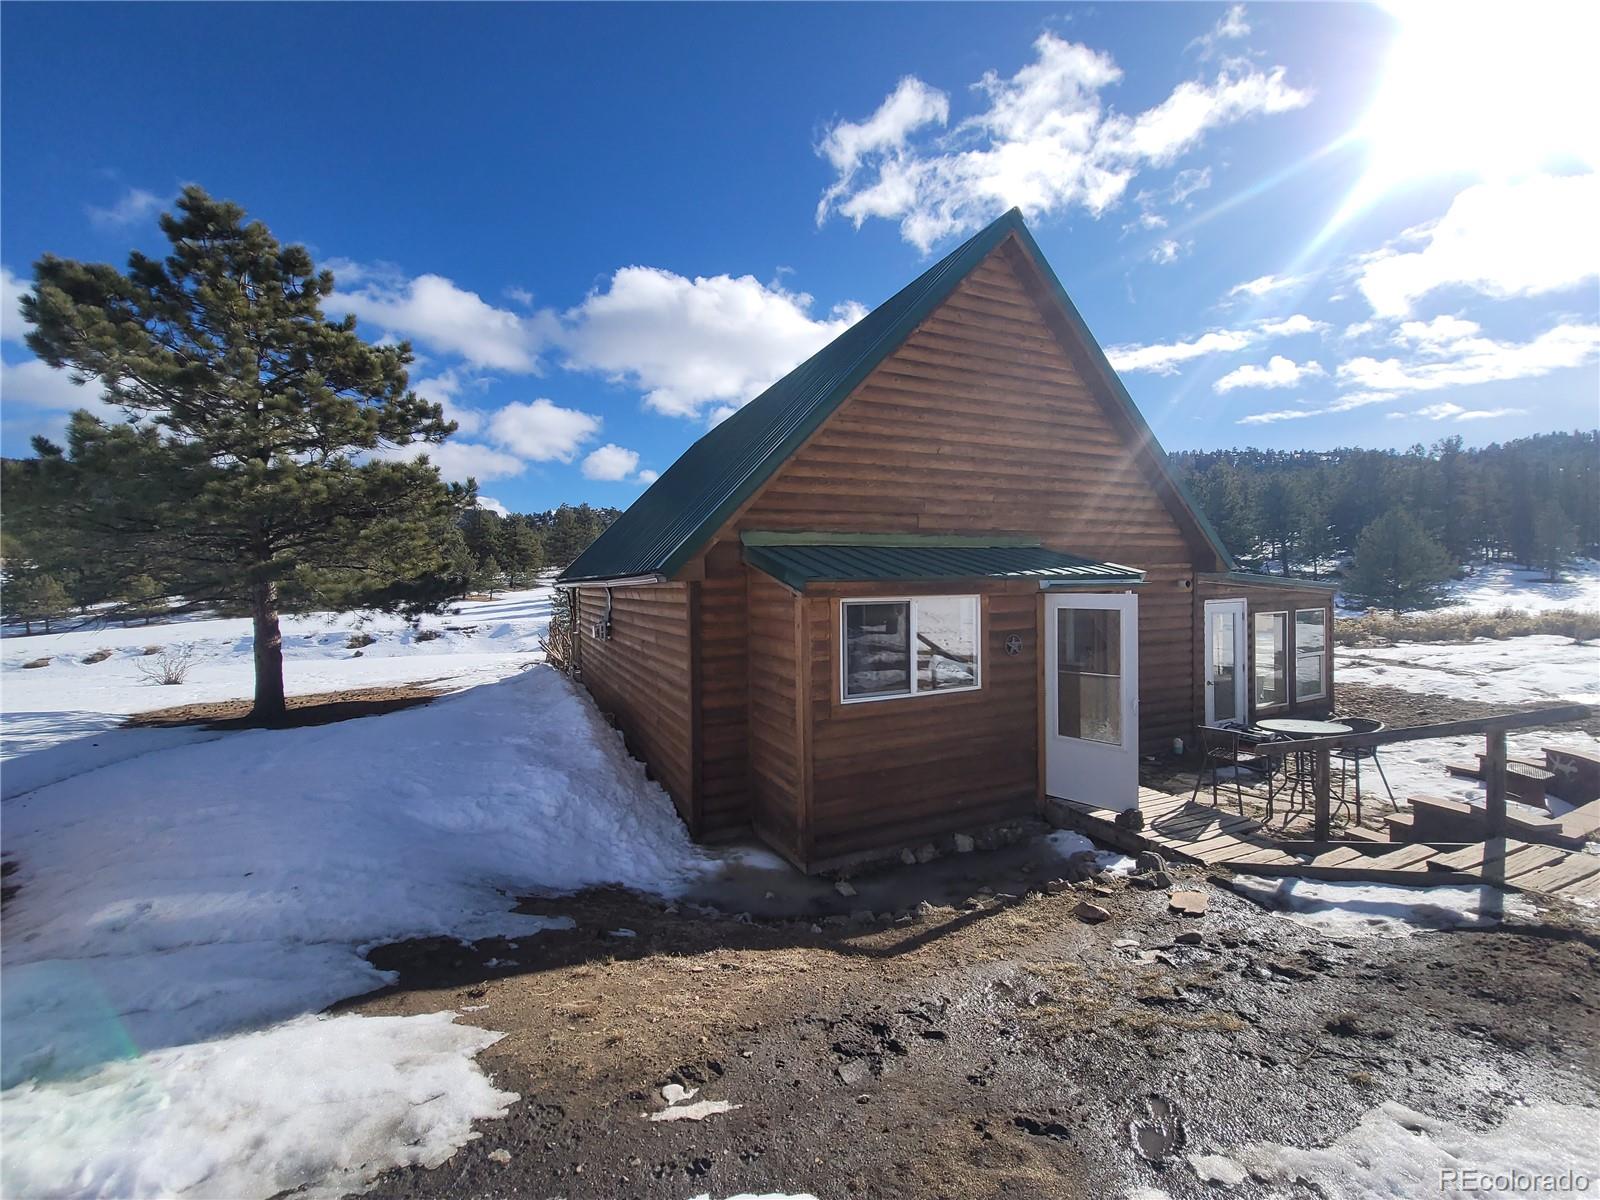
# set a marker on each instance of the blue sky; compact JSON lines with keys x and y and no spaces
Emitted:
{"x":602,"y":228}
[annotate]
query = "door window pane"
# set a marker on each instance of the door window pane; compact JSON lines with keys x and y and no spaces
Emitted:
{"x":947,"y":642}
{"x":1089,"y":674}
{"x":1224,"y":653}
{"x":1310,"y":650}
{"x":1271,"y":636}
{"x":877,"y":649}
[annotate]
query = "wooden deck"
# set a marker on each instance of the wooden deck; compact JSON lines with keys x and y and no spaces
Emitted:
{"x":1191,"y":831}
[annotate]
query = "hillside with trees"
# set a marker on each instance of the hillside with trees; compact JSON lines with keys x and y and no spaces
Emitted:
{"x":1404,"y":520}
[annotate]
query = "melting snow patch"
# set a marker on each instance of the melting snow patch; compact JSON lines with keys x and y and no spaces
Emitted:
{"x":698,"y":1111}
{"x":1217,"y":1169}
{"x":320,"y":1103}
{"x":1543,"y":1149}
{"x":1067,"y":842}
{"x":1382,"y":910}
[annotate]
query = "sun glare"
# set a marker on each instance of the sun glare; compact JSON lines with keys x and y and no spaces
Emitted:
{"x":1491,"y":90}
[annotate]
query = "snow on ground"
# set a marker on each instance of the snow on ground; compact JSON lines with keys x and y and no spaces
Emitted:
{"x":186,"y":899}
{"x":1490,"y":587}
{"x":1396,"y":1153}
{"x":1493,"y":586}
{"x":1418,"y":768}
{"x":1543,"y":668}
{"x":317,"y":1098}
{"x":71,"y":700}
{"x":1527,"y":670}
{"x":1382,"y":910}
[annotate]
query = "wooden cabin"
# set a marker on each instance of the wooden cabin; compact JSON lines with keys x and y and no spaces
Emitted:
{"x":939,"y":571}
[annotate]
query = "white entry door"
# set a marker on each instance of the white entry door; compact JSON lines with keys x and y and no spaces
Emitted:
{"x":1092,"y":699}
{"x":1225,"y":661}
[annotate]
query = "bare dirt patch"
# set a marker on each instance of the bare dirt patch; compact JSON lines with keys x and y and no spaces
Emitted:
{"x":998,"y":1047}
{"x":318,"y":708}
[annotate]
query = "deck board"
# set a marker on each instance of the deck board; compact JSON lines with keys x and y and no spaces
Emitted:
{"x":1185,"y":829}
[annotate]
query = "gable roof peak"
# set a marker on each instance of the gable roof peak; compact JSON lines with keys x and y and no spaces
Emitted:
{"x":682,"y":510}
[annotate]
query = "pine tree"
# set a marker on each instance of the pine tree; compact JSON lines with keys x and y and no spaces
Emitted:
{"x":489,"y":577}
{"x":1554,"y":539}
{"x":1398,"y":565}
{"x":246,"y":476}
{"x":524,"y":554}
{"x":30,"y":595}
{"x":139,"y":597}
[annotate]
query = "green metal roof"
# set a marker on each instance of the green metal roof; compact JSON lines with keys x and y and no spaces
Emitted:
{"x":675,"y":517}
{"x":1252,"y":579}
{"x":798,"y":565}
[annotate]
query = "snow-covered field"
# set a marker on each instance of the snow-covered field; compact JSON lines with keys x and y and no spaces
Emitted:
{"x":190,"y":900}
{"x":1493,"y":586}
{"x":1539,"y":669}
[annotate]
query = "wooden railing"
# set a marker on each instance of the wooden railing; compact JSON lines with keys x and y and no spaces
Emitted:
{"x":1494,"y":763}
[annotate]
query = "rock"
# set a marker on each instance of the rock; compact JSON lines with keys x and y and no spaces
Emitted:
{"x":1130,"y":818}
{"x":927,"y":852}
{"x":1091,"y":914}
{"x":1145,"y":880}
{"x":844,"y":888}
{"x":1149,"y":860}
{"x":1056,"y":886}
{"x":863,"y":916}
{"x":1161,"y":879}
{"x":1189,"y":937}
{"x":496,"y":1156}
{"x":909,"y":857}
{"x":1190,"y":904}
{"x":964,"y":844}
{"x":853,"y":1072}
{"x":1125,"y":943}
{"x":924,"y":910}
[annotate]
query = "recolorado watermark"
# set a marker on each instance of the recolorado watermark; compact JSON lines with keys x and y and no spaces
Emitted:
{"x":1522,"y":1183}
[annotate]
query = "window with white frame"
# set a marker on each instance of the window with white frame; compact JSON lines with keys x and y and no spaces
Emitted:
{"x":1270,"y":633}
{"x":919,"y":646}
{"x":1310,"y":654}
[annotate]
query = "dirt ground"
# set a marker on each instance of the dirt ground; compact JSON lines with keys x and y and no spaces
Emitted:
{"x":318,"y":708}
{"x":998,"y":1046}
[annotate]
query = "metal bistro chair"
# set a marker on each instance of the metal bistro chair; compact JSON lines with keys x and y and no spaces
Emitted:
{"x":1353,"y":756}
{"x":1224,"y":747}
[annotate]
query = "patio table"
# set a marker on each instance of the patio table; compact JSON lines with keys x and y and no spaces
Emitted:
{"x":1298,"y":730}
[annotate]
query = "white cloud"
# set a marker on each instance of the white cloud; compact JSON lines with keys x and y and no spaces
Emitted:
{"x":1231,"y":27}
{"x":1523,"y":238}
{"x":35,"y":384}
{"x":444,"y":390}
{"x":1164,"y":359}
{"x":490,"y":504}
{"x":133,"y":206}
{"x":1355,"y":400}
{"x":542,"y":431}
{"x":1282,"y":414}
{"x":1168,"y":251}
{"x":693,"y":343}
{"x":12,"y":289}
{"x":911,"y":106}
{"x":1265,"y":285}
{"x":1446,"y":411}
{"x":610,"y":462}
{"x":648,"y":476}
{"x":434,"y":311}
{"x":1279,"y":372}
{"x":1044,"y":143}
{"x":1451,"y":353}
{"x":459,"y":461}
